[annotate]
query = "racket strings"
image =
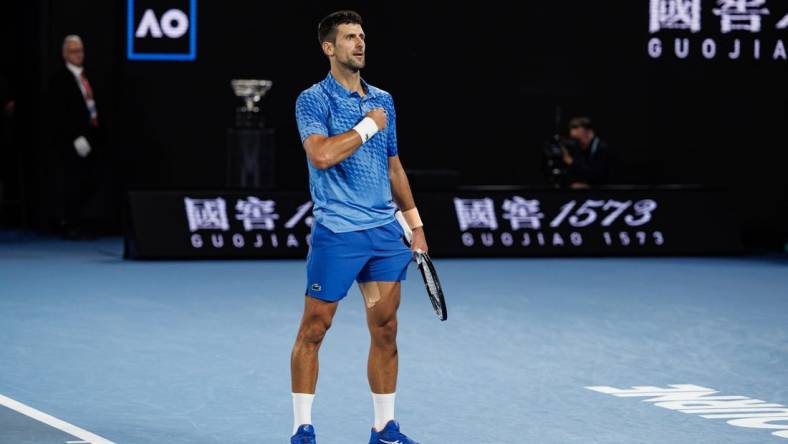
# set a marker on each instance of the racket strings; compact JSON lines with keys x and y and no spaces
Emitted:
{"x":430,"y":280}
{"x":432,"y":289}
{"x":432,"y":284}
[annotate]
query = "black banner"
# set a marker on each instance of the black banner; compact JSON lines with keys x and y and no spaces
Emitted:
{"x":464,"y":223}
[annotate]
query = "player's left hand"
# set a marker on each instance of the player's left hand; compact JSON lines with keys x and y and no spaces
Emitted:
{"x":419,"y":241}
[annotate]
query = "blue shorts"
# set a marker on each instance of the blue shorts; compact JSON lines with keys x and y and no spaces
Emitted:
{"x":335,"y":260}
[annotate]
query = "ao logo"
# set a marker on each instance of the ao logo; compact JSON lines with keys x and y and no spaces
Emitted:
{"x":162,"y":30}
{"x":173,"y":23}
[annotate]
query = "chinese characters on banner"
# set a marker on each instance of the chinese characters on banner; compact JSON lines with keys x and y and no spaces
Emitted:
{"x":517,"y":222}
{"x":753,"y":27}
{"x":227,"y":224}
{"x":530,"y":226}
{"x":256,"y":216}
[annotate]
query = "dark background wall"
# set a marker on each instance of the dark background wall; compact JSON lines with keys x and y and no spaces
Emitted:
{"x":477,"y":88}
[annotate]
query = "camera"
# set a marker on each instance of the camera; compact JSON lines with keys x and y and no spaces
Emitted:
{"x":553,"y":165}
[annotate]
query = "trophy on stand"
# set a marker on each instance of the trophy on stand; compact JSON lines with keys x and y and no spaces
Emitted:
{"x":251,"y":91}
{"x":250,"y":145}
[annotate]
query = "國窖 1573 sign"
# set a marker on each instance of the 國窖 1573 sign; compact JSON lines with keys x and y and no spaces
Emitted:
{"x":162,"y":30}
{"x":718,"y":29}
{"x":472,"y":223}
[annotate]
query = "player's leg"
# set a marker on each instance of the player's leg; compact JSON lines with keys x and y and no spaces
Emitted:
{"x":333,"y":263}
{"x":380,"y":283}
{"x":315,"y":322}
{"x":332,"y":266}
{"x":382,"y":301}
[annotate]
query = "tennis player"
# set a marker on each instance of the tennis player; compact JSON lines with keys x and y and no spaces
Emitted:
{"x":348,"y":129}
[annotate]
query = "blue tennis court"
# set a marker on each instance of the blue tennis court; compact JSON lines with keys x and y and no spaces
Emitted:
{"x":198,"y":352}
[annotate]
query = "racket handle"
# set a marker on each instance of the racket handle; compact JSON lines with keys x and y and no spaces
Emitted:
{"x":404,"y":224}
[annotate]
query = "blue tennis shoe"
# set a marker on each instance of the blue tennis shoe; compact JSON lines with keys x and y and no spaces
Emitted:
{"x":390,"y":435}
{"x":304,"y":435}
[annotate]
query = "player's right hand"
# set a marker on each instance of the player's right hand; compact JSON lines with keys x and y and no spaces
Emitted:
{"x":380,"y":118}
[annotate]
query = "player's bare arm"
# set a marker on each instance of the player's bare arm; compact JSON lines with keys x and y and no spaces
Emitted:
{"x":325,"y":152}
{"x":400,"y":190}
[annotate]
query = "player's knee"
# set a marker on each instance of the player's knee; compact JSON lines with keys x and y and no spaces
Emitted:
{"x":385,"y":331}
{"x":314,"y":331}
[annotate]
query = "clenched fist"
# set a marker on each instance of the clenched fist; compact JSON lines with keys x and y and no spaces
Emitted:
{"x":380,"y":118}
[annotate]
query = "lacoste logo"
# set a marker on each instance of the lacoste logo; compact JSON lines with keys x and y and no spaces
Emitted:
{"x":316,"y":287}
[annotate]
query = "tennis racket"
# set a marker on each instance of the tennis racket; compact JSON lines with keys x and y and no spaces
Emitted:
{"x":431,"y":281}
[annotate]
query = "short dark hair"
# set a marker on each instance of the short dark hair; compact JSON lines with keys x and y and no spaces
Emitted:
{"x":581,"y":122}
{"x":327,"y":29}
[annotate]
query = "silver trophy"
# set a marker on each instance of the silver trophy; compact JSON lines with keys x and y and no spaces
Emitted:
{"x":251,"y":91}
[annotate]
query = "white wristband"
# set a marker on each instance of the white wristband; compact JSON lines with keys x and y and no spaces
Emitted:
{"x":366,"y":129}
{"x":412,"y":218}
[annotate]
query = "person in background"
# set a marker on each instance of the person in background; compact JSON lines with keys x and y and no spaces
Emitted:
{"x":74,"y":121}
{"x":587,"y":157}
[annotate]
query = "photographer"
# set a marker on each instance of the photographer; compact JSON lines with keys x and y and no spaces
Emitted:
{"x":586,"y":156}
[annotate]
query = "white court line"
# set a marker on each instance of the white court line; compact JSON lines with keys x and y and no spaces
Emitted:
{"x":53,"y":422}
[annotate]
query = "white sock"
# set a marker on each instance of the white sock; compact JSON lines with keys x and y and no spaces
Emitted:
{"x":302,"y":410}
{"x":384,"y":409}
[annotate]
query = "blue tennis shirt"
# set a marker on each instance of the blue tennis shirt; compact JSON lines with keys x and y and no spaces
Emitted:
{"x":354,"y":194}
